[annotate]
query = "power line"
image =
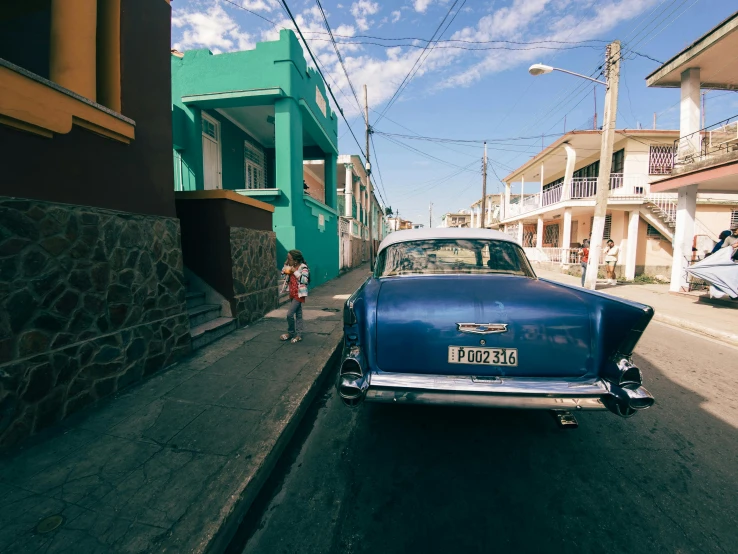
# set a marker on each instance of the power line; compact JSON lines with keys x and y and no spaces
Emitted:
{"x":425,"y":49}
{"x":420,"y":152}
{"x":379,"y":171}
{"x":317,"y":66}
{"x":338,"y":53}
{"x":458,"y":47}
{"x":240,"y":7}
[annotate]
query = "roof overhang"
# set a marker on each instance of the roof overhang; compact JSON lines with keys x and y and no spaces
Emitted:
{"x":718,"y":179}
{"x":712,"y":54}
{"x":587,"y":144}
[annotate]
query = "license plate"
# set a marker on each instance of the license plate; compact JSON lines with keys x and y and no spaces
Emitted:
{"x":482,"y":356}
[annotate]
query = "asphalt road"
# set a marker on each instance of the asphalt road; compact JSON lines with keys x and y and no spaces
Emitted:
{"x":389,"y":479}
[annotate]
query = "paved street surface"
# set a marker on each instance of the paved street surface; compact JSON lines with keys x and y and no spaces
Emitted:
{"x":431,"y":479}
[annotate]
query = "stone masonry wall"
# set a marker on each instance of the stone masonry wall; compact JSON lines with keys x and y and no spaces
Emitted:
{"x":91,"y":300}
{"x":255,"y":278}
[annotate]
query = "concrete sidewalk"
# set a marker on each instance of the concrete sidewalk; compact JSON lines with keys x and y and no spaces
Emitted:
{"x":685,"y":312}
{"x":173,"y":464}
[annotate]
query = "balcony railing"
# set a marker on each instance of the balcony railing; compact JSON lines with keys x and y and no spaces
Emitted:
{"x":715,"y":140}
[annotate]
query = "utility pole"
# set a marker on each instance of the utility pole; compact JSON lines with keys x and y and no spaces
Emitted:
{"x":654,"y":120}
{"x":483,"y":220}
{"x":369,"y":179}
{"x":430,"y":215}
{"x":703,"y":109}
{"x":612,"y":78}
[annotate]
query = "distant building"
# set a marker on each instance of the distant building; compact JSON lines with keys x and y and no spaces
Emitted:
{"x":492,"y":211}
{"x":461,"y":218}
{"x":399,"y":224}
{"x":418,"y":225}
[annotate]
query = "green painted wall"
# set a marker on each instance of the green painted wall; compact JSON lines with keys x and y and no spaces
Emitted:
{"x":274,"y":73}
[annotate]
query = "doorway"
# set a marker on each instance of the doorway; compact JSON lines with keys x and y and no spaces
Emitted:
{"x":211,"y":164}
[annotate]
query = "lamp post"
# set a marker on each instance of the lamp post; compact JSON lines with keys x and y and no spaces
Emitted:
{"x":612,"y":75}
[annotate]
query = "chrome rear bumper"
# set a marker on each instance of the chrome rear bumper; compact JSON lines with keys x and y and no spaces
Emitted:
{"x":502,"y":392}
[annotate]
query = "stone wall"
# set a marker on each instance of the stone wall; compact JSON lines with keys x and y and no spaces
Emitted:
{"x":255,"y":277}
{"x":91,"y":300}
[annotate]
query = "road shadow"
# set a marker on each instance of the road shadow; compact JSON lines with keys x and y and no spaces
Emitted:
{"x":437,"y":479}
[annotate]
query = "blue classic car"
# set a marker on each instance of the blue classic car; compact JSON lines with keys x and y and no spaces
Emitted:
{"x":458,"y":317}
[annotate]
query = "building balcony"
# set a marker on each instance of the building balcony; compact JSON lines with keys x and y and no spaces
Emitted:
{"x":706,"y":148}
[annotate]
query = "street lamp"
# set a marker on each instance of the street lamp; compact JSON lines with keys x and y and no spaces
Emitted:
{"x":540,"y":69}
{"x":612,"y":74}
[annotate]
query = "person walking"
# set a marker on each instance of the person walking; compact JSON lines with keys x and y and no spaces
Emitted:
{"x":298,"y":277}
{"x":584,"y":259}
{"x":721,"y":240}
{"x":611,"y":260}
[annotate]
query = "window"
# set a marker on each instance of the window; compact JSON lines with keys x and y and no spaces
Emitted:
{"x":209,"y":128}
{"x":733,"y":218}
{"x":653,"y":233}
{"x":453,"y":256}
{"x":551,"y":236}
{"x":660,"y":159}
{"x":618,"y":161}
{"x":254,"y":165}
{"x":608,"y":226}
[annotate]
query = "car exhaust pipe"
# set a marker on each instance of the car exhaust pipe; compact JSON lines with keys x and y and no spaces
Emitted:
{"x":623,"y":374}
{"x":352,"y":385}
{"x":625,"y":402}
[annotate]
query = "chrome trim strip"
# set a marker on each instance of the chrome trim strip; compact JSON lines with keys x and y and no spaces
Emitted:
{"x":507,"y":392}
{"x":482,"y":328}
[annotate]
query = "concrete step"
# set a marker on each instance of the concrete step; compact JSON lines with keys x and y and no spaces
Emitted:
{"x":194,"y":299}
{"x":202,"y":314}
{"x":208,"y":332}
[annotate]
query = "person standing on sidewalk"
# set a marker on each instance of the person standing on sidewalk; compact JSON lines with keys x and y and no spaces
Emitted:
{"x":611,"y":260}
{"x":298,"y":276}
{"x":585,"y":258}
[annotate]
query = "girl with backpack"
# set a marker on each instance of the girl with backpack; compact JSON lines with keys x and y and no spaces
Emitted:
{"x":297,"y":279}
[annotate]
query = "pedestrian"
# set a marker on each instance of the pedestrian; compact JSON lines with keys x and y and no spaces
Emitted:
{"x":298,"y":277}
{"x":721,"y":240}
{"x":611,"y":260}
{"x":584,"y":259}
{"x":732,"y":239}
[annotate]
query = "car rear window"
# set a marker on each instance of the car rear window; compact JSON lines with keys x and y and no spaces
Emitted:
{"x":452,"y":256}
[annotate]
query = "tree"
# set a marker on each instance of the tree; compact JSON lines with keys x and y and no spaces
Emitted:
{"x":388,"y":211}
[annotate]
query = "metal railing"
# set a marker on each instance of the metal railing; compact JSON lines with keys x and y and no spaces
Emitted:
{"x":716,"y":139}
{"x":557,"y":255}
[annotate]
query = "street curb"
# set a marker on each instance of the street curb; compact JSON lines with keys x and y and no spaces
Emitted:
{"x":689,"y":326}
{"x":248,"y":495}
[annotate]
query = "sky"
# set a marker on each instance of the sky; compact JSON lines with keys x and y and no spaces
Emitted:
{"x":472,"y":85}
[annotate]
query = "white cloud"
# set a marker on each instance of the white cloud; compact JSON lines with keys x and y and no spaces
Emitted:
{"x":260,"y":5}
{"x":421,"y":5}
{"x":396,"y":16}
{"x":213,"y":29}
{"x":360,"y":10}
{"x":539,"y":20}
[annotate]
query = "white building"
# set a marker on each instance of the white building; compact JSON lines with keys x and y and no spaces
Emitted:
{"x":555,"y":207}
{"x":462,"y":218}
{"x":492,"y":211}
{"x":706,"y":160}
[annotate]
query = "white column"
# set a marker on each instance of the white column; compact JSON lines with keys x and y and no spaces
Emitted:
{"x":566,"y":240}
{"x":689,"y":114}
{"x":522,"y":192}
{"x":539,"y":233}
{"x":507,"y":200}
{"x":540,"y":196}
{"x":571,"y":161}
{"x":348,"y":190}
{"x":632,"y":245}
{"x":683,"y":236}
{"x":520,"y":233}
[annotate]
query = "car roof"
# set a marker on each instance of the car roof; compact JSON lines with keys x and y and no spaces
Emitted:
{"x":443,"y":233}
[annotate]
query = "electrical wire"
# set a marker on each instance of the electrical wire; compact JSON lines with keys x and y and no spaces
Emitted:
{"x":317,"y":66}
{"x":417,"y":62}
{"x":338,"y":54}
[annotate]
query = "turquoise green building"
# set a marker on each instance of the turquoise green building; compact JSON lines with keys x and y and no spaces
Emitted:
{"x":246,"y":122}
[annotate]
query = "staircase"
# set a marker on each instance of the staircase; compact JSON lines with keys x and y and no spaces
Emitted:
{"x":207,"y":323}
{"x":663,"y":209}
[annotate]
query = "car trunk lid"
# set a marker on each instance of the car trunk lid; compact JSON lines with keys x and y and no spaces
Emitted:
{"x":418,"y":317}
